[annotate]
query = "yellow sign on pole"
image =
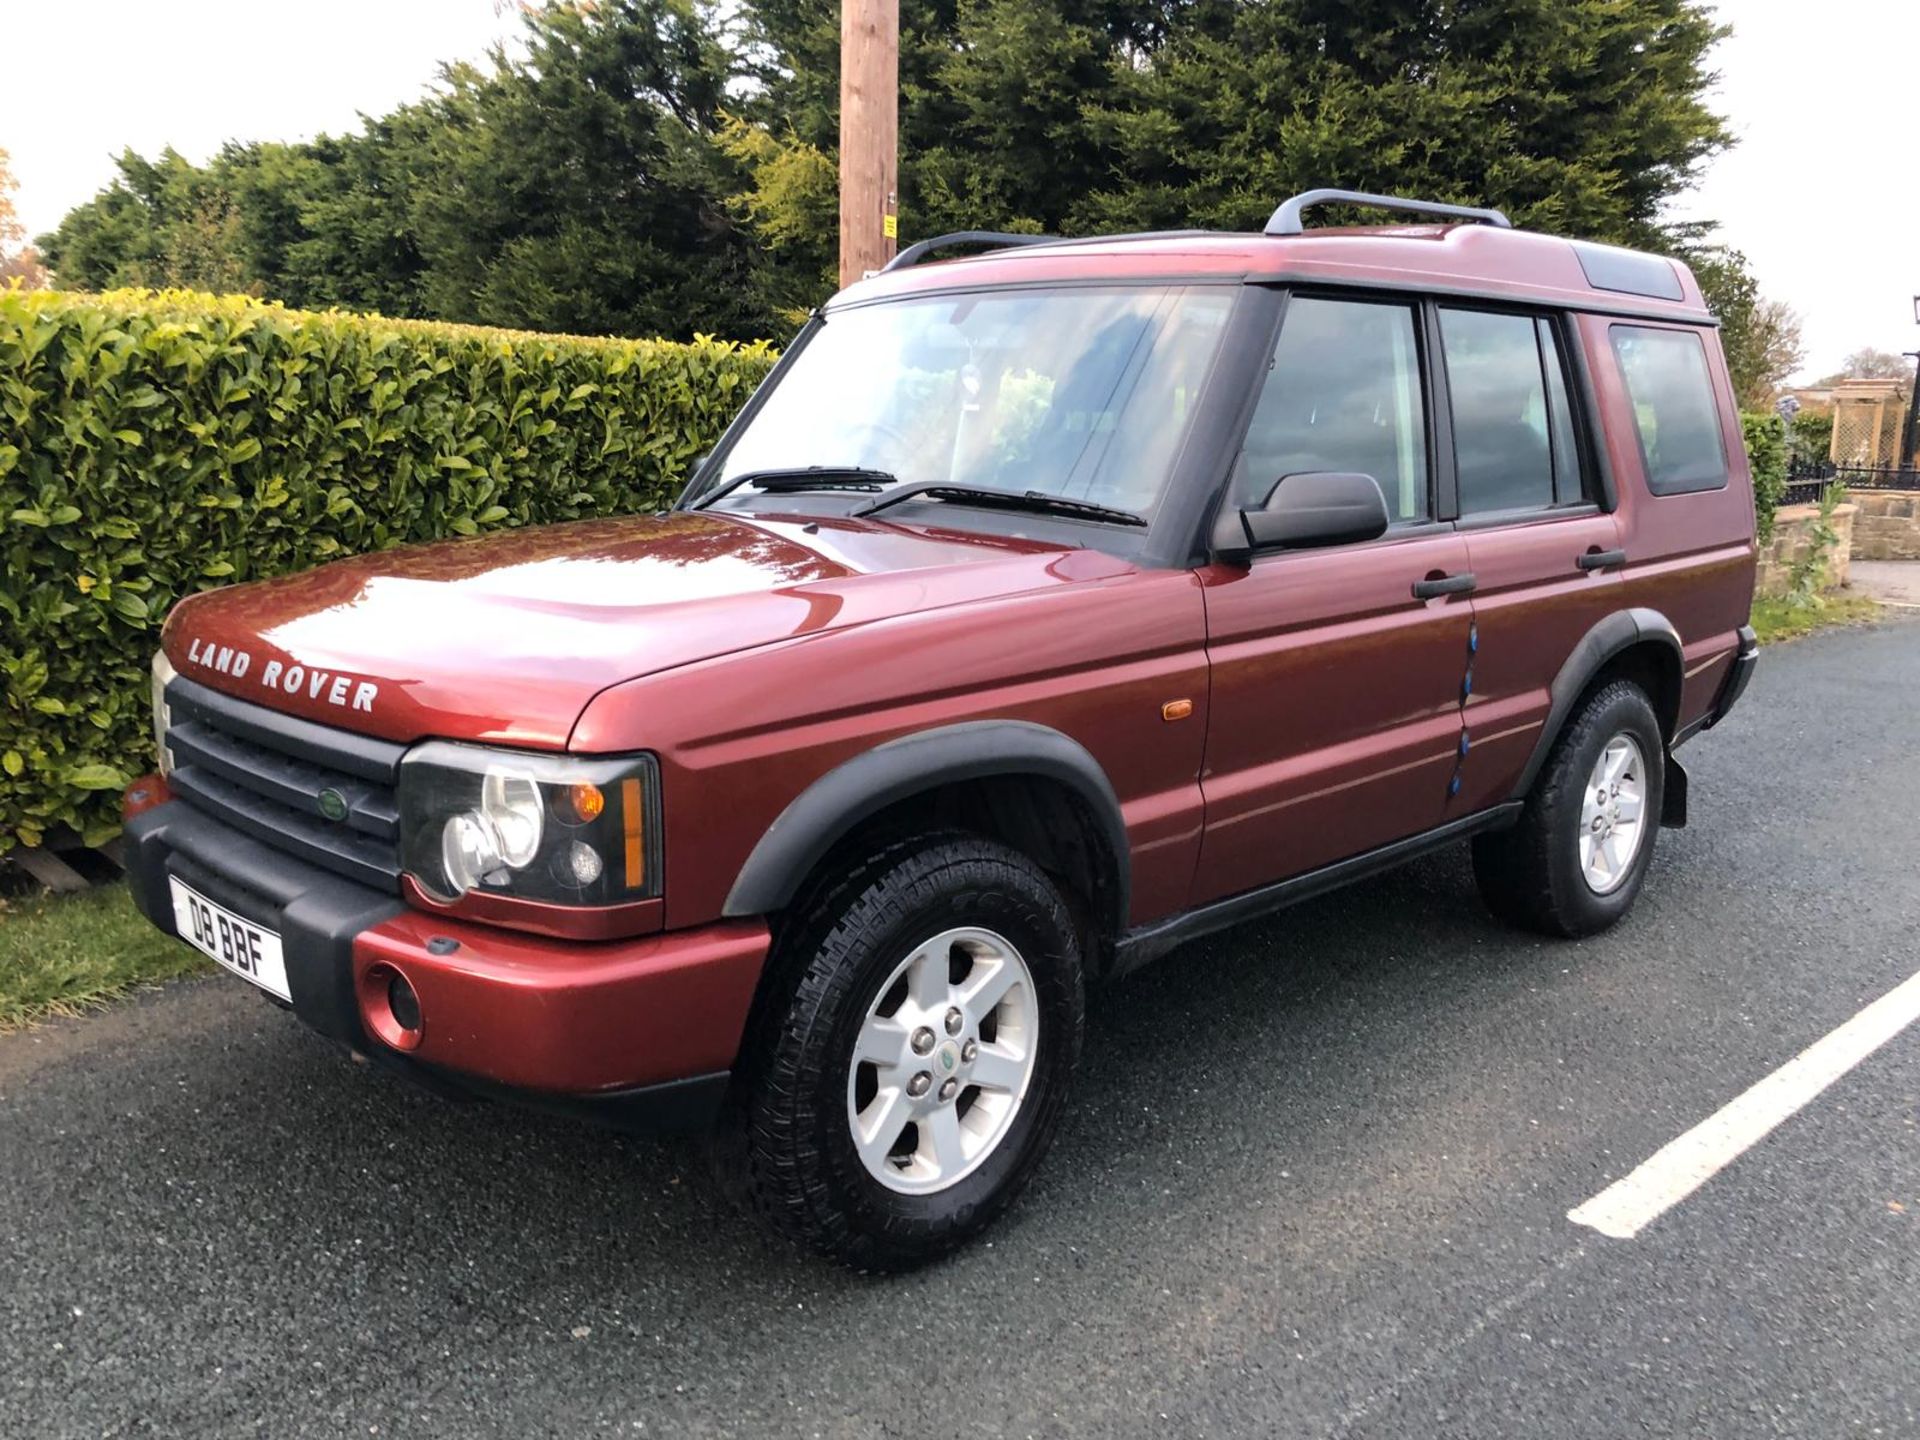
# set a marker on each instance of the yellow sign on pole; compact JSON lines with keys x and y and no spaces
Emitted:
{"x":890,"y":227}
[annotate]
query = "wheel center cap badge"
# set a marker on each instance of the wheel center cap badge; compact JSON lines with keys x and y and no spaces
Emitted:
{"x":333,"y":805}
{"x":949,"y":1057}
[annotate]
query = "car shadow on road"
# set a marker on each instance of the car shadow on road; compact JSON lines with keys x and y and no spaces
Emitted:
{"x":1248,"y":1024}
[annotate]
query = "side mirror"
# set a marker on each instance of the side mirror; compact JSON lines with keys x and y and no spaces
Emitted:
{"x":1304,"y":510}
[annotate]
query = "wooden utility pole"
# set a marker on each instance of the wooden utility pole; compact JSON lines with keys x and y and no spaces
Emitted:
{"x":869,"y":135}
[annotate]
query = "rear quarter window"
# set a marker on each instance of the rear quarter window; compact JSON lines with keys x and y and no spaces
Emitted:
{"x":1674,"y":411}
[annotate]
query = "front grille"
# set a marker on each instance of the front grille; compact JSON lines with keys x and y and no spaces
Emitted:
{"x":264,"y":774}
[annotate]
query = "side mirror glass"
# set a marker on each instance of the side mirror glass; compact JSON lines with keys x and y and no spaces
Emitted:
{"x":1305,"y":510}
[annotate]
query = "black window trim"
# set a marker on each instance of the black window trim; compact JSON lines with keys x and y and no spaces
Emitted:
{"x":1445,"y":464}
{"x":1584,"y":393}
{"x":1659,"y":491}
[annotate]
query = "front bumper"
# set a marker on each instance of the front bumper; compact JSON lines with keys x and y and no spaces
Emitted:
{"x":636,"y":1033}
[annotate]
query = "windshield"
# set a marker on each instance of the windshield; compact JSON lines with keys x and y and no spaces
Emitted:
{"x":1077,"y":393}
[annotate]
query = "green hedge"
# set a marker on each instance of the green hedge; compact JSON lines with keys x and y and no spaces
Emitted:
{"x":1811,"y":436}
{"x":155,"y":444}
{"x":1767,"y":456}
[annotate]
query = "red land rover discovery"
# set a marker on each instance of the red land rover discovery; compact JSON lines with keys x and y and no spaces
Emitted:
{"x":1043,"y":610}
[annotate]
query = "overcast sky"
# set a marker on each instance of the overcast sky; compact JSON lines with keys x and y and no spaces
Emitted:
{"x":1820,"y":193}
{"x":1823,"y":190}
{"x":194,"y":74}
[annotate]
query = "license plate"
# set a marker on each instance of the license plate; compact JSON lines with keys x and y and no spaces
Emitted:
{"x":251,"y":951}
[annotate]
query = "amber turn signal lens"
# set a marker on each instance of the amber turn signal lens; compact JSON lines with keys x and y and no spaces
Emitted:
{"x":143,"y":795}
{"x":1176,"y":710}
{"x":636,"y":851}
{"x":587,"y":801}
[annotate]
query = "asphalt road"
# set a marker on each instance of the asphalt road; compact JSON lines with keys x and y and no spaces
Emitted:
{"x":1315,"y":1183}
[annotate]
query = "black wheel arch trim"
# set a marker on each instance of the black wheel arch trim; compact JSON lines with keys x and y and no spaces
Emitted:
{"x":859,"y":788}
{"x":1618,"y":632}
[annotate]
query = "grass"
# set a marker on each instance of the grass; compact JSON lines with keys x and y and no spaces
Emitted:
{"x":62,"y":954}
{"x":1776,"y":618}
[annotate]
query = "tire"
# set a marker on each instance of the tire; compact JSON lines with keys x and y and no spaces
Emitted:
{"x":1537,"y":874}
{"x":867,"y":942}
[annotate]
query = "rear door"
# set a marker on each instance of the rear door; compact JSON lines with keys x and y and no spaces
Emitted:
{"x":1686,"y":509}
{"x":1545,"y":556}
{"x":1334,"y":717}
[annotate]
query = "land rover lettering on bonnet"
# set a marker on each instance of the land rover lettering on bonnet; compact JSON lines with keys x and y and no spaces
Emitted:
{"x":1047,"y":607}
{"x":329,"y":686}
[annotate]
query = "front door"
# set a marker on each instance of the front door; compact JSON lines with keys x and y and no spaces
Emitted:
{"x":1334,"y":717}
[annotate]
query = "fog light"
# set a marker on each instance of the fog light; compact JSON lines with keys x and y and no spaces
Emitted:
{"x":403,"y":1002}
{"x":391,"y":1007}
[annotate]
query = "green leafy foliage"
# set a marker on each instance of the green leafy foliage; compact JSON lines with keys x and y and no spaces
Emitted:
{"x":668,"y":166}
{"x":1812,"y":434}
{"x":156,"y":444}
{"x":1580,"y":116}
{"x":1766,"y":437}
{"x":1761,"y":337}
{"x":1808,"y":575}
{"x":574,"y":183}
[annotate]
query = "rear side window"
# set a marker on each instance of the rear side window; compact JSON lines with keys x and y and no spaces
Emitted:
{"x":1501,"y":444}
{"x":1673,"y":408}
{"x":1513,"y":433}
{"x":1342,"y":393}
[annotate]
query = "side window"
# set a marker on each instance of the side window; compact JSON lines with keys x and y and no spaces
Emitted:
{"x":1342,"y":393}
{"x":1673,"y":408}
{"x":1502,"y":422}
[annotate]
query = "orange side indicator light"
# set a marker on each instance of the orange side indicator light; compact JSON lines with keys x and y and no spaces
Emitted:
{"x":587,"y":801}
{"x":1176,"y":710}
{"x":630,"y":816}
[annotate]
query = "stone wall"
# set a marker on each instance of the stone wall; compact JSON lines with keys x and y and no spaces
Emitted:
{"x":1793,"y":533}
{"x":1887,"y":527}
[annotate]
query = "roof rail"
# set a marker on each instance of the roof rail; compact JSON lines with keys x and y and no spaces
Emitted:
{"x":1287,"y":219}
{"x":919,"y":251}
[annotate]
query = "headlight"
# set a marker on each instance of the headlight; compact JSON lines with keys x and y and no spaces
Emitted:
{"x":162,"y":716}
{"x":559,"y":829}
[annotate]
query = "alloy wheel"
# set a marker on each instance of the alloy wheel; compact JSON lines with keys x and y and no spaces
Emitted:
{"x":942,"y":1061}
{"x":1613,"y":815}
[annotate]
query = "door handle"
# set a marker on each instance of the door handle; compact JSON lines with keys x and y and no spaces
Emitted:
{"x":1433,"y":585}
{"x":1602,"y":559}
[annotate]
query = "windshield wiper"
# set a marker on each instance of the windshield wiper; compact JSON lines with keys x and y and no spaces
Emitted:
{"x":803,"y":477}
{"x":1038,"y":500}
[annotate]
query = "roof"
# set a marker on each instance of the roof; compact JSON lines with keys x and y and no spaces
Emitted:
{"x":1481,"y":260}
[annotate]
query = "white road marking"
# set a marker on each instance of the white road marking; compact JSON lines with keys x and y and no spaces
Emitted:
{"x":1674,"y":1172}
